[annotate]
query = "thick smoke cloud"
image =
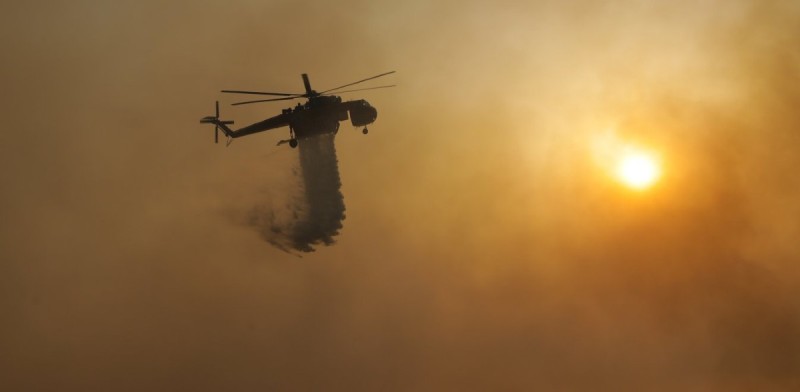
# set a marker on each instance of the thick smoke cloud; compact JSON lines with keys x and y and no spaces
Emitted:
{"x":486,"y":246}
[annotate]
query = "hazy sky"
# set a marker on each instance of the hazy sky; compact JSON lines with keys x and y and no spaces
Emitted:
{"x":487,"y":244}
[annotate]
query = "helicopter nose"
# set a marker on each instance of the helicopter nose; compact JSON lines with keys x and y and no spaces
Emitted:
{"x":362,"y":113}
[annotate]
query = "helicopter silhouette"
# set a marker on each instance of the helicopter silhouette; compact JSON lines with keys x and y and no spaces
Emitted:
{"x":320,"y":114}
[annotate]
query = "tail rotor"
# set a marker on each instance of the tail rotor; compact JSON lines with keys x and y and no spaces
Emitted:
{"x":216,"y":121}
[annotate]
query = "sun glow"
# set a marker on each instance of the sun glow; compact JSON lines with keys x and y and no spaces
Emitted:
{"x":632,"y":163}
{"x":638,"y":170}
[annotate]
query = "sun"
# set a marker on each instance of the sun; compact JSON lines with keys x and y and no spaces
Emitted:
{"x":638,"y":170}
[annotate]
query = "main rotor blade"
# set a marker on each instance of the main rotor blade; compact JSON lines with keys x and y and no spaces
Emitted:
{"x":362,"y":89}
{"x":261,"y":93}
{"x":265,"y":100}
{"x":360,"y":81}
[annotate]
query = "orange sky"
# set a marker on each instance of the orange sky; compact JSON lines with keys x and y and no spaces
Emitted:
{"x":485,"y":247}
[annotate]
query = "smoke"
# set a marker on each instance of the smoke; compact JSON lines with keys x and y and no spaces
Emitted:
{"x":312,"y":216}
{"x":486,"y":249}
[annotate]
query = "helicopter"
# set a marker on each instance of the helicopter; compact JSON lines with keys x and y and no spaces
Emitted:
{"x":320,"y":114}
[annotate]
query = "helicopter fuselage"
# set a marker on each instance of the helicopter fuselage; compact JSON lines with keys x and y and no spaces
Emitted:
{"x":320,"y":114}
{"x":323,"y":114}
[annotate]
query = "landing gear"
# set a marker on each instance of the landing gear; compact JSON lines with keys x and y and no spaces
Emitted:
{"x":293,"y":139}
{"x":365,"y":130}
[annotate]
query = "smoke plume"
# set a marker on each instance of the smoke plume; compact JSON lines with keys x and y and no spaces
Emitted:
{"x":488,"y":246}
